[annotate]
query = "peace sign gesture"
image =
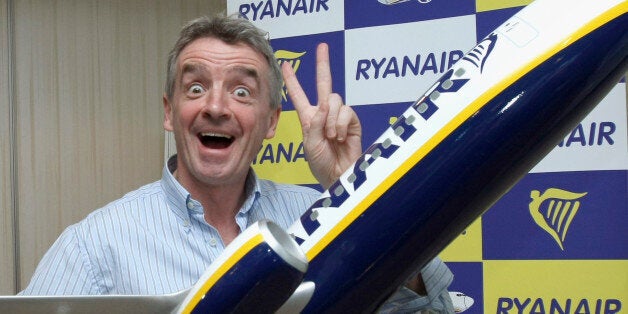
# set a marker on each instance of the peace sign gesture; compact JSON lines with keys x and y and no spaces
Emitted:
{"x":331,"y":131}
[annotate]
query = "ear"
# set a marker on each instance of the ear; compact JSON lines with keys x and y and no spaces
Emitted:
{"x":167,"y":114}
{"x":274,"y":120}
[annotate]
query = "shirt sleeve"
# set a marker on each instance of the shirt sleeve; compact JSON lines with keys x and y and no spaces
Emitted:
{"x":64,"y":269}
{"x":437,"y":278}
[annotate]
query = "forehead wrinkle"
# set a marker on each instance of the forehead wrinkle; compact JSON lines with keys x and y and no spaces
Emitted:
{"x":193,"y":68}
{"x":245,"y":71}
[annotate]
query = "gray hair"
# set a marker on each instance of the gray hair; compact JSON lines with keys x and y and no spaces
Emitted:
{"x":232,"y":30}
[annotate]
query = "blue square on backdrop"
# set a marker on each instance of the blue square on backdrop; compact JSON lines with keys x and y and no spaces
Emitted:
{"x":364,"y":13}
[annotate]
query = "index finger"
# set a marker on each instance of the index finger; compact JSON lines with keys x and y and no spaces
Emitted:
{"x":295,"y":91}
{"x":323,"y":73}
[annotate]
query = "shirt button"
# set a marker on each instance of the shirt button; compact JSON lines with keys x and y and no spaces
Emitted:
{"x":190,"y":205}
{"x":213,"y":242}
{"x":186,"y":223}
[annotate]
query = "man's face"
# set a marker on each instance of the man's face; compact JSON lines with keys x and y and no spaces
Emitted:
{"x":219,"y":112}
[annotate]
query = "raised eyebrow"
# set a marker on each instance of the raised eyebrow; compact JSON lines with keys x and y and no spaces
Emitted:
{"x":194,"y":69}
{"x":246,"y":71}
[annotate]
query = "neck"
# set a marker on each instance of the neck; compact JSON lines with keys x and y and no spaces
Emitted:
{"x":221,"y":203}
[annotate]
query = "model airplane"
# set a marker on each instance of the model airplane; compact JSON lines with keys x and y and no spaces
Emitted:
{"x":461,"y":301}
{"x":453,"y":153}
{"x":480,"y":128}
{"x":391,"y":2}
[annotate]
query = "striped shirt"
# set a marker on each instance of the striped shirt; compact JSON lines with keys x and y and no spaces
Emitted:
{"x":155,"y":240}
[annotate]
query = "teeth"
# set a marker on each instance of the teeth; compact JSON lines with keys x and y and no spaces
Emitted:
{"x":216,"y":135}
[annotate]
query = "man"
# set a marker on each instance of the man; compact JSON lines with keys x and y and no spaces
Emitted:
{"x":222,"y":99}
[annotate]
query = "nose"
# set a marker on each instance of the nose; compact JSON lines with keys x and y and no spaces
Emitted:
{"x":217,"y":104}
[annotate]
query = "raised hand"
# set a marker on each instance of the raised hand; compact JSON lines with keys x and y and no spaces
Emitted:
{"x":331,"y":131}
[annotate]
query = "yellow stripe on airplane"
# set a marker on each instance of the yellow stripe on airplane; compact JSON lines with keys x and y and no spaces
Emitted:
{"x":222,"y":270}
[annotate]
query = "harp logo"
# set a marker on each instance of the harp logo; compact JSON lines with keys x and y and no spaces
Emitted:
{"x":294,"y":58}
{"x":480,"y":53}
{"x":554,"y":211}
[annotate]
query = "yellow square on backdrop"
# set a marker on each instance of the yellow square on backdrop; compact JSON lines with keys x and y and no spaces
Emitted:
{"x":555,"y":286}
{"x":488,"y":5}
{"x":467,"y":247}
{"x":282,"y":159}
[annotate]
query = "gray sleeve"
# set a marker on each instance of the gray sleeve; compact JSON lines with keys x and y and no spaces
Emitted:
{"x":437,"y":278}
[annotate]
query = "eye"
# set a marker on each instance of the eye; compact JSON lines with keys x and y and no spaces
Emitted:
{"x":241,"y":92}
{"x":196,"y":89}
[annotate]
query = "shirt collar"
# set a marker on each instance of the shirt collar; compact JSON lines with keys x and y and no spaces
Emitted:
{"x":253,"y":191}
{"x":181,"y":202}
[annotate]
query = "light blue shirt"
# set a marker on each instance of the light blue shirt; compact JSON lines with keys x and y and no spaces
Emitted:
{"x":155,"y":240}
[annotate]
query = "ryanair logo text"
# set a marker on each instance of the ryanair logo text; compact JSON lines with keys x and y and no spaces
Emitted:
{"x":280,"y":152}
{"x":270,"y":9}
{"x":593,"y":134}
{"x":554,"y":210}
{"x":432,"y":63}
{"x":507,"y":305}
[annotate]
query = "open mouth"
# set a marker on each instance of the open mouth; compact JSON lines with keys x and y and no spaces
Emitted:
{"x":215,"y":140}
